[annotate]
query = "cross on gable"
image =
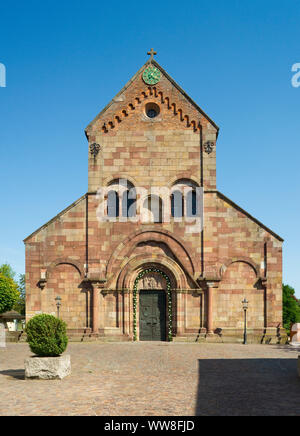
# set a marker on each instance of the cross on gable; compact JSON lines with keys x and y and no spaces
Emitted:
{"x":151,"y":53}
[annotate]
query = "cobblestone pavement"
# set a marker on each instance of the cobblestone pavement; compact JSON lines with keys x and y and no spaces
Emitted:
{"x":156,"y":379}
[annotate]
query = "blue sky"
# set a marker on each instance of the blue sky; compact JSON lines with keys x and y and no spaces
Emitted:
{"x":65,"y":60}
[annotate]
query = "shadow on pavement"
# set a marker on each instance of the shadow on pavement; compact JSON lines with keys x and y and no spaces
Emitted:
{"x":248,"y":387}
{"x":18,"y":374}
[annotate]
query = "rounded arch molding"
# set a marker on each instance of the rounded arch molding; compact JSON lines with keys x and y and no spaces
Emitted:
{"x":183,"y":176}
{"x":254,"y":266}
{"x":118,"y":176}
{"x":126,"y":248}
{"x":138,"y":264}
{"x":65,"y":261}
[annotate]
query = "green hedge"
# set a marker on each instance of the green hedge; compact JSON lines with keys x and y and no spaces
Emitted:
{"x":46,"y":335}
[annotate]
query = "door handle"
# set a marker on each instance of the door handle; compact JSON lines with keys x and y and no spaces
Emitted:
{"x":152,"y":322}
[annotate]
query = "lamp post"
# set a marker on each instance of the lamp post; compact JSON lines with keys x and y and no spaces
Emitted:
{"x":58,"y":304}
{"x":245,"y":307}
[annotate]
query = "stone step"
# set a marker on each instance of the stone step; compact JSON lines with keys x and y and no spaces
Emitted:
{"x":79,"y":331}
{"x":15,"y":337}
{"x":114,"y":339}
{"x":82,"y":339}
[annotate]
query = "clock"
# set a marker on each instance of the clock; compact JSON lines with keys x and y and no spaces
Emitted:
{"x":151,"y":75}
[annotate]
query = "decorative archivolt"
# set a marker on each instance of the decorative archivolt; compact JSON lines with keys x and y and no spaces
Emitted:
{"x":150,"y":92}
{"x":65,"y":261}
{"x":241,"y":259}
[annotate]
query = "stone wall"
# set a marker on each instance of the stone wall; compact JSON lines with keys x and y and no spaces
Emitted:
{"x":57,"y":251}
{"x":64,"y":281}
{"x":238,"y":283}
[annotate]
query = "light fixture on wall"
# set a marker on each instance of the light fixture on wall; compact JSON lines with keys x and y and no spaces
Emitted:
{"x":58,"y":304}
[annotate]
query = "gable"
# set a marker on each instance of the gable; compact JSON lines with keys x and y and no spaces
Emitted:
{"x":74,"y":212}
{"x":130,"y":102}
{"x":241,"y":213}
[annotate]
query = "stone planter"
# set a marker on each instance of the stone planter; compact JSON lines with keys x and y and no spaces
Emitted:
{"x":47,"y":368}
{"x":295,"y":335}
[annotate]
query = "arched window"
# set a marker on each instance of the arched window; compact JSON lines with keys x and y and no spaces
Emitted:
{"x":177,"y":204}
{"x":184,"y":199}
{"x":154,"y":205}
{"x":129,"y":203}
{"x":121,"y":199}
{"x":112,"y":204}
{"x":191,"y":204}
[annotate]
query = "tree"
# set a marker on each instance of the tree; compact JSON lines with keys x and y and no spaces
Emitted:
{"x":7,"y":270}
{"x":9,"y":293}
{"x":9,"y":273}
{"x":291,"y":307}
{"x":20,"y":304}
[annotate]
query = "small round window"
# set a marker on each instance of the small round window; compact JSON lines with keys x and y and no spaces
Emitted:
{"x":152,"y":110}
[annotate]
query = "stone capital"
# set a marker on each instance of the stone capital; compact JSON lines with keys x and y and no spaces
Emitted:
{"x":212,"y":283}
{"x":98,"y":283}
{"x":263,"y":281}
{"x":209,"y":281}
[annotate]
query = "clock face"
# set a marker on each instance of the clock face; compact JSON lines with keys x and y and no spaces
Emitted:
{"x":151,"y":75}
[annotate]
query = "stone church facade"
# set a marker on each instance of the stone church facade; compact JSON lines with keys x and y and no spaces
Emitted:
{"x":123,"y":277}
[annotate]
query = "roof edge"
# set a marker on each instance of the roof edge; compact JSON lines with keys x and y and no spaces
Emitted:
{"x":185,"y":95}
{"x":55,"y":218}
{"x":249,"y":215}
{"x":169,"y":78}
{"x":116,"y":96}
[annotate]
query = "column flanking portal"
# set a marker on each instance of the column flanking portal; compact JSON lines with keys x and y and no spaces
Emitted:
{"x":95,"y":312}
{"x":210,"y":286}
{"x":97,"y":320}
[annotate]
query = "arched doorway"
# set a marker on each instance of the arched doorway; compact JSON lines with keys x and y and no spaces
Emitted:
{"x":152,"y":306}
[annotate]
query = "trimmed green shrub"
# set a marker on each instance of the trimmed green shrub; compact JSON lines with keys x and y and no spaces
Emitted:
{"x":9,"y":293}
{"x":46,"y":335}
